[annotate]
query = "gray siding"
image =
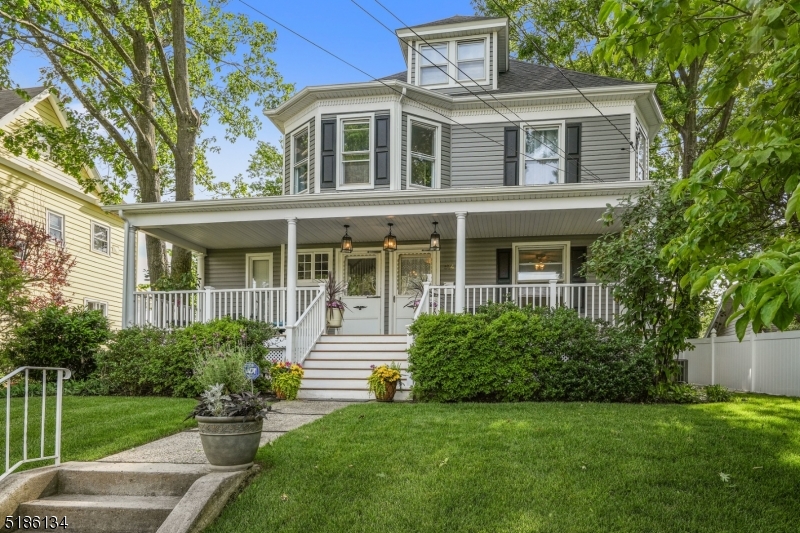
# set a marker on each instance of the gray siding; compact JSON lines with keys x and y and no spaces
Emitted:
{"x":477,"y":155}
{"x":404,"y":153}
{"x":312,"y":154}
{"x":227,"y":269}
{"x":287,"y":164}
{"x":605,"y":154}
{"x":445,"y":177}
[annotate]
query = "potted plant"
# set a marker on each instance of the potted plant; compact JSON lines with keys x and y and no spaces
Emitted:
{"x":230,"y":426}
{"x":286,"y":379}
{"x":333,"y":301}
{"x":384,"y":380}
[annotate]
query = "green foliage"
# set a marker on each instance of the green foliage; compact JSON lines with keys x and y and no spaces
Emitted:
{"x":286,"y":378}
{"x":381,"y":376}
{"x":674,"y":393}
{"x":508,"y":354}
{"x":224,"y":367}
{"x":13,"y":301}
{"x":717,"y":393}
{"x":59,"y":337}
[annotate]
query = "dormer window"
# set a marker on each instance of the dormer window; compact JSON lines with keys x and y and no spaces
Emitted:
{"x":471,"y":60}
{"x":433,"y":64}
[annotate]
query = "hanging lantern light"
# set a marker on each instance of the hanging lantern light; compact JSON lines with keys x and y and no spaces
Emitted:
{"x":347,"y":242}
{"x":390,"y":241}
{"x":435,"y":238}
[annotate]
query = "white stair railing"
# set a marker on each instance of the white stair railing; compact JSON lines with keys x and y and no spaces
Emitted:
{"x":24,"y":373}
{"x":309,"y":327}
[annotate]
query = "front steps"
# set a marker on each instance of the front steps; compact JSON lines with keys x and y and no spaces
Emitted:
{"x":338,"y":366}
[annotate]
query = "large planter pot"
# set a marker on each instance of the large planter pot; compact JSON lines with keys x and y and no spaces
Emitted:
{"x":230,"y":443}
{"x":335,"y":316}
{"x":391,"y":388}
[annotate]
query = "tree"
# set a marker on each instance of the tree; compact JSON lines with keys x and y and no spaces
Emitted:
{"x":33,"y":267}
{"x":150,"y":74}
{"x":652,"y":300}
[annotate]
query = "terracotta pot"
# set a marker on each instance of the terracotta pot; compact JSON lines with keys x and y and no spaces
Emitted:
{"x":335,"y":316}
{"x":279,"y":394}
{"x":391,"y":388}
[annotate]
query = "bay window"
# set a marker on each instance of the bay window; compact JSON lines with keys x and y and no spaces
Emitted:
{"x":541,"y":151}
{"x":423,"y":154}
{"x":642,"y":164}
{"x":356,"y":152}
{"x":300,"y":161}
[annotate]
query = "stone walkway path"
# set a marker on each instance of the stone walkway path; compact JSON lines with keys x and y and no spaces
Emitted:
{"x":185,"y":447}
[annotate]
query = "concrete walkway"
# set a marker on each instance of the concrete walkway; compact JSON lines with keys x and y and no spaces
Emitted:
{"x":185,"y":447}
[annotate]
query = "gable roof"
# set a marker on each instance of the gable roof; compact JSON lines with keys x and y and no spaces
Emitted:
{"x":11,"y":100}
{"x":453,"y":20}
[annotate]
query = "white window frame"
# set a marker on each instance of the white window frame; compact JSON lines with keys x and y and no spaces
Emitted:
{"x":437,"y":166}
{"x":108,"y":232}
{"x":432,"y":56}
{"x":549,"y":125}
{"x":369,"y":118}
{"x":452,"y":63}
{"x":248,"y":268}
{"x":313,"y":282}
{"x":293,"y":186}
{"x":542,"y":245}
{"x":48,"y":214}
{"x":104,"y":304}
{"x":639,"y":130}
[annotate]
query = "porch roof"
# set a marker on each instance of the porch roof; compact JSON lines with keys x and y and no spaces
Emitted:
{"x":568,"y":209}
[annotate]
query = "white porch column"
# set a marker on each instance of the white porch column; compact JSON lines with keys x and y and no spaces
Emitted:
{"x":291,"y":286}
{"x":461,"y":261}
{"x":128,"y":275}
{"x":713,"y":356}
{"x":201,"y":270}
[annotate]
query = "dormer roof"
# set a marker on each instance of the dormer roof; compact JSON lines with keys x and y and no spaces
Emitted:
{"x":459,"y":26}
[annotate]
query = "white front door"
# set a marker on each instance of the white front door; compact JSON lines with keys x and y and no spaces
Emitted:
{"x":410,"y":270}
{"x":362,"y":272}
{"x":259,"y":271}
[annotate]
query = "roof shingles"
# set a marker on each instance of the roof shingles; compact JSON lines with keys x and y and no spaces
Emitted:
{"x":10,"y":99}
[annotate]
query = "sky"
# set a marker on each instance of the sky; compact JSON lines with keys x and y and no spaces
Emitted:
{"x":337,"y":25}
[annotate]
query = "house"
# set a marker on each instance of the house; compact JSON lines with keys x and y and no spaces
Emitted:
{"x":46,"y":195}
{"x":479,"y":175}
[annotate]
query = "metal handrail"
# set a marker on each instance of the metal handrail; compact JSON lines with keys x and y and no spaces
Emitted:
{"x":61,"y":375}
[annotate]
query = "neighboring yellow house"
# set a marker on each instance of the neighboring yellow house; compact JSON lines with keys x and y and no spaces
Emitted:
{"x":46,"y":195}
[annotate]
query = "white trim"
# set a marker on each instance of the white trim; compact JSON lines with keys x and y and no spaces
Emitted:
{"x":631,"y":138}
{"x":91,"y":238}
{"x":456,"y":26}
{"x":87,"y":301}
{"x":436,"y":182}
{"x":357,"y":118}
{"x":314,"y":282}
{"x":561,"y":148}
{"x":248,"y":263}
{"x":495,"y":69}
{"x":517,"y":246}
{"x":380,"y":255}
{"x":283,"y":265}
{"x":27,"y":105}
{"x":49,"y":212}
{"x":413,"y":249}
{"x":293,"y":163}
{"x":317,"y":151}
{"x":396,"y":147}
{"x":451,"y":62}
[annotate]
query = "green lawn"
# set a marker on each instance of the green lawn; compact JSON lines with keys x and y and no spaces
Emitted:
{"x":95,"y":426}
{"x":531,"y":467}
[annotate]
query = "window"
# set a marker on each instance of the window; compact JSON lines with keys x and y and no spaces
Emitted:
{"x":642,"y":164}
{"x":423,"y":154}
{"x":300,"y":161}
{"x":312,"y":266}
{"x":259,"y":271}
{"x":538,"y":263}
{"x":471,"y":60}
{"x":55,"y":226}
{"x":541,"y":156}
{"x":96,"y":305}
{"x":433,"y":64}
{"x":356,"y":152}
{"x":101,"y":238}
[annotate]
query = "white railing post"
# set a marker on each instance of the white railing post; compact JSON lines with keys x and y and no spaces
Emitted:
{"x":713,"y":357}
{"x":291,"y":284}
{"x":553,"y":294}
{"x":461,"y":261}
{"x":208,"y":304}
{"x":59,"y":399}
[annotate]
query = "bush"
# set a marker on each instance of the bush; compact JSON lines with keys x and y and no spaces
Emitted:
{"x":150,"y":361}
{"x":717,"y":393}
{"x":504,"y":353}
{"x":59,"y":337}
{"x":675,"y":393}
{"x":226,"y":367}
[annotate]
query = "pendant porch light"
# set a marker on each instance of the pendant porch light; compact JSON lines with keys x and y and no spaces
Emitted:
{"x":390,"y":241}
{"x":347,"y":242}
{"x":435,"y":238}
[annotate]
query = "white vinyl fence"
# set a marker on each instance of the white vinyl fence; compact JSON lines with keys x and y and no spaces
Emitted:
{"x":768,"y":363}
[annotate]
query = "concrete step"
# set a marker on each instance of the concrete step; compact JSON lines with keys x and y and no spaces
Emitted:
{"x":318,"y":355}
{"x":337,"y":373}
{"x":92,"y":513}
{"x":361,"y":347}
{"x":355,"y":364}
{"x":128,"y":479}
{"x":341,"y":383}
{"x":357,"y":339}
{"x":345,"y":394}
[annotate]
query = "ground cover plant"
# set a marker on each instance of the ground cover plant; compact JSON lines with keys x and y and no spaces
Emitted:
{"x":97,"y":426}
{"x":531,"y":467}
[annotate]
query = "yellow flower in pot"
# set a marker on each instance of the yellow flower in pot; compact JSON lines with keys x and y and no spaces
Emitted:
{"x":384,"y":380}
{"x":286,"y":379}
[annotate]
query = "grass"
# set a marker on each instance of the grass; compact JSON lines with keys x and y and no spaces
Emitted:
{"x":531,"y":468}
{"x":95,"y":426}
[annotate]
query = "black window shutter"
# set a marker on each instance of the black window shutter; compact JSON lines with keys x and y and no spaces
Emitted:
{"x":504,"y":266}
{"x":382,"y":150}
{"x":511,"y":156}
{"x":577,"y":257}
{"x":573,"y":159}
{"x":328,"y":152}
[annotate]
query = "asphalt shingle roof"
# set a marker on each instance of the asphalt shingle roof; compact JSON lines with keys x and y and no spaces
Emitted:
{"x":10,"y":100}
{"x":453,"y":20}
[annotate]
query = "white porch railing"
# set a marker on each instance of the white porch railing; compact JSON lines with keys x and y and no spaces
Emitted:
{"x":24,"y":372}
{"x":309,"y":327}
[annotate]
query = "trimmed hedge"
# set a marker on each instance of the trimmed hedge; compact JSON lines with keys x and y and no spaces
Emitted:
{"x":504,"y":353}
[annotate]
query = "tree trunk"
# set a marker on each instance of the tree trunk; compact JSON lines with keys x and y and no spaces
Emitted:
{"x":188,"y":122}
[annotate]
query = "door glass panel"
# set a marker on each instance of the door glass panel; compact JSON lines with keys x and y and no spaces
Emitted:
{"x":413,"y":271}
{"x":259,"y":273}
{"x":361,"y":274}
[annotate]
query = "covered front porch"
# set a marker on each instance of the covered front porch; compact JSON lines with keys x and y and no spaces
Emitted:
{"x":521,"y":244}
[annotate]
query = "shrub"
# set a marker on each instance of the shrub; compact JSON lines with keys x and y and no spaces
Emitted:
{"x":717,"y":393}
{"x":286,"y":379}
{"x":59,"y":337}
{"x":504,"y":353}
{"x":225,"y":367}
{"x":675,"y":393}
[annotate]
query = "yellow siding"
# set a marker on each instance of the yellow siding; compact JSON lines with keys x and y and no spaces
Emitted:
{"x":95,"y":276}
